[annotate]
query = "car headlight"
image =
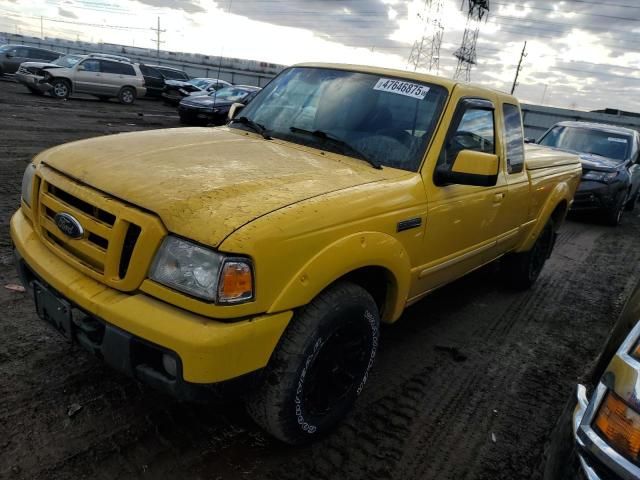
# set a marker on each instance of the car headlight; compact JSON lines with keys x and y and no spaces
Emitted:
{"x":597,"y":176}
{"x":203,"y":273}
{"x":27,"y":183}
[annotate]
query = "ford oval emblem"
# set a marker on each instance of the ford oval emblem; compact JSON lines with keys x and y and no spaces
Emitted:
{"x":68,"y":225}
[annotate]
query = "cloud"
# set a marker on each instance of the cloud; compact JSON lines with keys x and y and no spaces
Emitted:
{"x":187,"y":6}
{"x":66,"y":13}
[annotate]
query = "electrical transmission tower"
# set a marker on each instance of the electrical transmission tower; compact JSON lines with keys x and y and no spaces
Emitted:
{"x":478,"y":10}
{"x":425,"y":53}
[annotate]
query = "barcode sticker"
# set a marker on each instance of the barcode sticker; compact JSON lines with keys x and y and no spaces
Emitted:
{"x":408,"y":89}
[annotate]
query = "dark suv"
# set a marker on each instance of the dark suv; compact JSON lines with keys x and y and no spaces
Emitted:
{"x":11,"y":56}
{"x":610,"y":171}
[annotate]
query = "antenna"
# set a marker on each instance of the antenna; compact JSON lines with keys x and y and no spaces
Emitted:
{"x":478,"y":10}
{"x":425,"y":53}
{"x":515,"y":80}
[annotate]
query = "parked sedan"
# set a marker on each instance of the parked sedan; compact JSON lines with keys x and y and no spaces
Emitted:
{"x":610,"y":171}
{"x":176,"y":90}
{"x":11,"y":56}
{"x":598,"y":435}
{"x":214,"y":107}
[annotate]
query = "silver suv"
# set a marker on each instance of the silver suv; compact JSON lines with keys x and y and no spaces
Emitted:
{"x":103,"y":77}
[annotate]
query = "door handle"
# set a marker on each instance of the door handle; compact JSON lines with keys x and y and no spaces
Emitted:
{"x":498,"y":197}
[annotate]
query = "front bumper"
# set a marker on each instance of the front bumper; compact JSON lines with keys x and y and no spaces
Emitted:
{"x":595,"y":196}
{"x":33,"y":81}
{"x":207,"y":350}
{"x":196,"y":115}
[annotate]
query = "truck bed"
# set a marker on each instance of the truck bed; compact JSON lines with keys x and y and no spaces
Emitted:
{"x":538,"y":157}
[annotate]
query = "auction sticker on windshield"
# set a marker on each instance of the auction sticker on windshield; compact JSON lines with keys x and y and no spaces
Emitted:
{"x":408,"y":89}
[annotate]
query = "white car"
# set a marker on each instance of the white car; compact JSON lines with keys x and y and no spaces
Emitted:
{"x":96,"y":74}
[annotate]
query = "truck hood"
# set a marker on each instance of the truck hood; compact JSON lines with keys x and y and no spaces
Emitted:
{"x":592,"y":161}
{"x":205,"y":183}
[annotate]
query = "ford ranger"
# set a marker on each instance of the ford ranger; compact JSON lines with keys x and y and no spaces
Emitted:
{"x":260,"y":257}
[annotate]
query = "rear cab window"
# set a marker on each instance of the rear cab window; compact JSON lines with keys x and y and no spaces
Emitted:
{"x":514,"y":138}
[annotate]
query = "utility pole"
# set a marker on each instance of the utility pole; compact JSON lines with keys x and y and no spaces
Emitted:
{"x":41,"y":28}
{"x":157,"y":39}
{"x":515,"y":80}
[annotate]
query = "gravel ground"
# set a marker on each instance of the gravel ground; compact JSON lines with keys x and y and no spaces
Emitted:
{"x":466,"y":386}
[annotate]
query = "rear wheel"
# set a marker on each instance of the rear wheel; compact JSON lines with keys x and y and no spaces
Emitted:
{"x":319,"y":367}
{"x":60,"y":88}
{"x":127,"y":95}
{"x":523,"y":269}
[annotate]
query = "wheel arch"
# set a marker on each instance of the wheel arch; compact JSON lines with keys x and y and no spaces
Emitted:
{"x":375,"y":261}
{"x":556,"y":208}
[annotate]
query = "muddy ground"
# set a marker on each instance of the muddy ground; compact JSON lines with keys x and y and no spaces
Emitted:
{"x":466,"y":386}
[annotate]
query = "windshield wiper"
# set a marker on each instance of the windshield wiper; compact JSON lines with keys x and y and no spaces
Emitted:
{"x":256,"y":127}
{"x":338,"y":142}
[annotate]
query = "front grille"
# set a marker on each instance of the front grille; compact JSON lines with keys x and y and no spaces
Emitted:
{"x":118,"y":240}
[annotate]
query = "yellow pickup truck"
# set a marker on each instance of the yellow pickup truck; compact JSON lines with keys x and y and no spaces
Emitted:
{"x":260,"y":257}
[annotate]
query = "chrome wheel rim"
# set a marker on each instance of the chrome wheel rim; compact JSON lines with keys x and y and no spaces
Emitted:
{"x":127,"y":96}
{"x":60,"y":89}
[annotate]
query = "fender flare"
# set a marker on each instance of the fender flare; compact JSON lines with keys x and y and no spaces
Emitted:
{"x":356,"y":251}
{"x":560,"y":193}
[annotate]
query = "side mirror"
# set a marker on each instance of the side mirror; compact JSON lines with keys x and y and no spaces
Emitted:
{"x":234,"y":110}
{"x":9,"y":55}
{"x":81,"y":68}
{"x":529,"y":140}
{"x":470,"y":168}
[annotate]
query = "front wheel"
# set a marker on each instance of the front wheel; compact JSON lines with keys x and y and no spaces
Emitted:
{"x":127,"y":95}
{"x":60,"y":88}
{"x":320,"y":366}
{"x":523,"y":269}
{"x":613,"y":216}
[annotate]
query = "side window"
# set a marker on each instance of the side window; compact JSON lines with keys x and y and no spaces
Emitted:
{"x":475,"y":130}
{"x":116,"y":68}
{"x":20,"y":52}
{"x":90,"y":66}
{"x":514,"y":138}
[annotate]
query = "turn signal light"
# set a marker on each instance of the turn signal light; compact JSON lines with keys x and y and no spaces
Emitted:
{"x":620,"y":426}
{"x":236,"y":283}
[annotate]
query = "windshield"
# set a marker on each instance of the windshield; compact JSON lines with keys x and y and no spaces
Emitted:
{"x":585,"y":140}
{"x":229,"y":94}
{"x":67,"y":61}
{"x":390,"y":121}
{"x":200,"y":82}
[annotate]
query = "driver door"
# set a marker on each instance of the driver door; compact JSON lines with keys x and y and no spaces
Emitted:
{"x":463,"y":221}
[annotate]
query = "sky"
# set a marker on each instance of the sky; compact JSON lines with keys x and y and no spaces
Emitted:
{"x":582,"y":54}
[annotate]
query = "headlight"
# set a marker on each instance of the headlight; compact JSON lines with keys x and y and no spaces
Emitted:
{"x":27,"y":183}
{"x":597,"y":176}
{"x":203,"y":273}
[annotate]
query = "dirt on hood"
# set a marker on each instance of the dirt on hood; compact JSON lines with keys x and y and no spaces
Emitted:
{"x":205,"y":183}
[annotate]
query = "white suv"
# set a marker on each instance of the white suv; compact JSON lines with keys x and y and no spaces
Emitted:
{"x":103,"y":77}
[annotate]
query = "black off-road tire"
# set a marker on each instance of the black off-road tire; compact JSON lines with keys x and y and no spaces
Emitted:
{"x":523,"y":269}
{"x":60,"y":88}
{"x":127,"y":95}
{"x":319,"y":366}
{"x":613,"y":216}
